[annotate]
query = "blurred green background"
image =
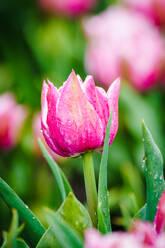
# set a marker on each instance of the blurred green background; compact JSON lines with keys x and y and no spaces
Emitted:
{"x":33,"y":46}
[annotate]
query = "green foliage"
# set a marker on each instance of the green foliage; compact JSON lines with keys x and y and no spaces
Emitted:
{"x":71,"y":212}
{"x":64,"y":234}
{"x":75,"y":214}
{"x":10,"y":238}
{"x":103,"y":206}
{"x":33,"y":228}
{"x":153,"y":170}
{"x":55,"y":170}
{"x":48,"y":240}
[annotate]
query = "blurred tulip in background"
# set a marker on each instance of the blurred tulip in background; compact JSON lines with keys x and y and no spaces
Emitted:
{"x":67,"y":7}
{"x":74,"y":118}
{"x":12,"y":116}
{"x":154,"y":9}
{"x":123,"y":42}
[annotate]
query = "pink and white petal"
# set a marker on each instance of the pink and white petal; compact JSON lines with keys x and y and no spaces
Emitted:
{"x":48,"y":118}
{"x":44,"y":105}
{"x":77,"y":120}
{"x":144,"y":233}
{"x":160,"y":241}
{"x":98,"y":98}
{"x":159,"y":222}
{"x":113,"y":97}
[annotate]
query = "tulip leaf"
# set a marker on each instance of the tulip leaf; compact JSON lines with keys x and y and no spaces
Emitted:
{"x":75,"y":214}
{"x":153,"y":173}
{"x":33,"y":228}
{"x":10,"y":238}
{"x":103,"y":212}
{"x":64,"y":234}
{"x":21,"y":244}
{"x":48,"y":240}
{"x":62,"y":182}
{"x":141,"y":213}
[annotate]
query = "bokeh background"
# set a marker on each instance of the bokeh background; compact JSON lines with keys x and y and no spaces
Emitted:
{"x":39,"y":40}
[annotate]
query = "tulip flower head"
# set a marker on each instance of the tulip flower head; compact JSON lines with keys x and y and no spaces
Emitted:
{"x":68,"y":7}
{"x":12,"y":116}
{"x":125,"y":43}
{"x":74,"y":117}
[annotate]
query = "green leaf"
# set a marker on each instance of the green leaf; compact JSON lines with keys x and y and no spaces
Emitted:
{"x":75,"y":214}
{"x":33,"y":228}
{"x":63,"y":184}
{"x":65,"y":235}
{"x":153,"y":163}
{"x":103,"y":212}
{"x":141,"y":213}
{"x":48,"y":240}
{"x":10,"y":237}
{"x":126,"y":217}
{"x":21,"y":244}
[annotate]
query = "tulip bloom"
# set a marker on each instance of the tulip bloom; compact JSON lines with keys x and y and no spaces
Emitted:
{"x":153,"y":9}
{"x":142,"y":234}
{"x":68,"y":7}
{"x":12,"y":117}
{"x":125,"y":43}
{"x":74,"y":117}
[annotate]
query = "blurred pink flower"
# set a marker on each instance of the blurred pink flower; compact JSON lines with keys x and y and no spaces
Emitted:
{"x":142,"y":234}
{"x":159,"y":221}
{"x":93,"y":239}
{"x":68,"y":7}
{"x":154,"y":9}
{"x":12,"y":116}
{"x":74,"y":117}
{"x":123,"y":42}
{"x":37,"y":134}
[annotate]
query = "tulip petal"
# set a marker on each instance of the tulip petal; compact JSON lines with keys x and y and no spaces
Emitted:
{"x":48,"y":114}
{"x":113,"y":96}
{"x":98,"y":98}
{"x":77,"y":120}
{"x":144,"y":232}
{"x":159,"y":221}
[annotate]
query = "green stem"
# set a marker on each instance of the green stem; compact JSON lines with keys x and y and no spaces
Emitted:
{"x":90,"y":185}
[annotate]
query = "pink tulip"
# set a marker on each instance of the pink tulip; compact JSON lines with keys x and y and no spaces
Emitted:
{"x":74,"y":117}
{"x":68,"y":7}
{"x":12,"y":117}
{"x":37,"y":134}
{"x":123,"y":42}
{"x":154,"y":9}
